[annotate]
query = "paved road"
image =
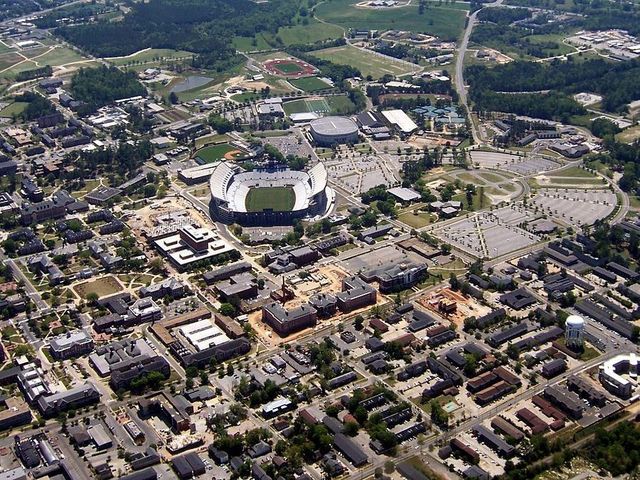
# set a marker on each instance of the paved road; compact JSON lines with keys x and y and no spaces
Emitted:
{"x":459,"y":80}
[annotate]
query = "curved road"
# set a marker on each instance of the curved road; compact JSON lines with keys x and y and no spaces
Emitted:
{"x":460,"y":87}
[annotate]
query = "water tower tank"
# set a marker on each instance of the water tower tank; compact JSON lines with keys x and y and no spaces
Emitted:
{"x":574,"y":331}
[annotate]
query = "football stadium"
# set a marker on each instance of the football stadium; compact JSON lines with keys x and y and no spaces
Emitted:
{"x":268,"y":197}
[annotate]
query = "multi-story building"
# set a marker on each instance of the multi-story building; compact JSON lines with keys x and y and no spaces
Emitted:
{"x":285,"y":322}
{"x":71,"y":344}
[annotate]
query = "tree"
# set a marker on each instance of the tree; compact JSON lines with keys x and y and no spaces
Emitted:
{"x":173,"y":98}
{"x":227,"y":310}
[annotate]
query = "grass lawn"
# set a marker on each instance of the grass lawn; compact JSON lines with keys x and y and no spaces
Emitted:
{"x":310,"y":84}
{"x":151,"y":55}
{"x":416,"y":219}
{"x":446,"y":22}
{"x":341,"y":104}
{"x":15,"y":108}
{"x":245,"y":97}
{"x":288,"y":67}
{"x":212,"y":138}
{"x":479,"y":201}
{"x":319,"y":105}
{"x":278,"y":199}
{"x":250,"y":44}
{"x":311,"y":33}
{"x":576,"y":181}
{"x":367,"y":62}
{"x":629,"y":135}
{"x":492,"y":177}
{"x":102,"y":287}
{"x":4,"y":48}
{"x":575,"y":172}
{"x":215,"y":153}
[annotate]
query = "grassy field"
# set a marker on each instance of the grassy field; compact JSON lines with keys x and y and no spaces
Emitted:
{"x":574,"y":172}
{"x":245,"y":97}
{"x":16,"y":108}
{"x":211,"y":138}
{"x":215,"y":153}
{"x":278,"y":199}
{"x":311,"y":33}
{"x":310,"y":84}
{"x":102,"y":287}
{"x":250,"y":44}
{"x":367,"y":62}
{"x":39,"y":57}
{"x":4,"y":48}
{"x":151,"y":55}
{"x":446,"y":22}
{"x":302,"y":106}
{"x":416,"y":219}
{"x":629,"y":135}
{"x":289,"y":68}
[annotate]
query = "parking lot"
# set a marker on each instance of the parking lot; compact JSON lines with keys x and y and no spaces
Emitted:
{"x":490,"y":234}
{"x":521,"y":165}
{"x":577,"y":207}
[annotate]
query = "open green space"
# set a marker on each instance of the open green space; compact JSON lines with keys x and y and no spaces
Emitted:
{"x":629,"y":135}
{"x":311,"y":33}
{"x":310,"y":84}
{"x":215,"y":153}
{"x":492,"y":177}
{"x":211,"y":138}
{"x":446,"y":22}
{"x":303,"y":106}
{"x":416,"y":219}
{"x":575,"y":172}
{"x":102,"y":287}
{"x":278,"y":199}
{"x":250,"y":44}
{"x":16,"y":108}
{"x":367,"y":62}
{"x":576,"y":181}
{"x":150,"y":55}
{"x":245,"y":97}
{"x":4,"y":48}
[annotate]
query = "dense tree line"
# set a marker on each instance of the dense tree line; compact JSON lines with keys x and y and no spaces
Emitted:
{"x":100,"y":86}
{"x":37,"y":105}
{"x":550,"y":106}
{"x":503,"y":16}
{"x":497,"y":36}
{"x":205,"y":27}
{"x":617,"y":82}
{"x":45,"y":71}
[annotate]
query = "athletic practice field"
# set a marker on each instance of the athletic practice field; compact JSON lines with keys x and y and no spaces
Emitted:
{"x":222,"y":151}
{"x":310,"y":84}
{"x":278,"y":199}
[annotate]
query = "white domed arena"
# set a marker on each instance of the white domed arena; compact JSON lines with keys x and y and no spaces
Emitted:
{"x":269,"y":197}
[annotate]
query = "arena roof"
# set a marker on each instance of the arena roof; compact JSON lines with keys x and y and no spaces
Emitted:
{"x":400,"y":120}
{"x":334,"y":126}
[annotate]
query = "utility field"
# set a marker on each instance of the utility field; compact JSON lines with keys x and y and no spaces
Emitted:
{"x":310,"y":84}
{"x":278,"y":199}
{"x":446,"y":22}
{"x":367,"y":62}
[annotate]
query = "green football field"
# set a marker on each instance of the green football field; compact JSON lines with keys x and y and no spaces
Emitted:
{"x":310,"y":84}
{"x":278,"y":199}
{"x":289,"y":67}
